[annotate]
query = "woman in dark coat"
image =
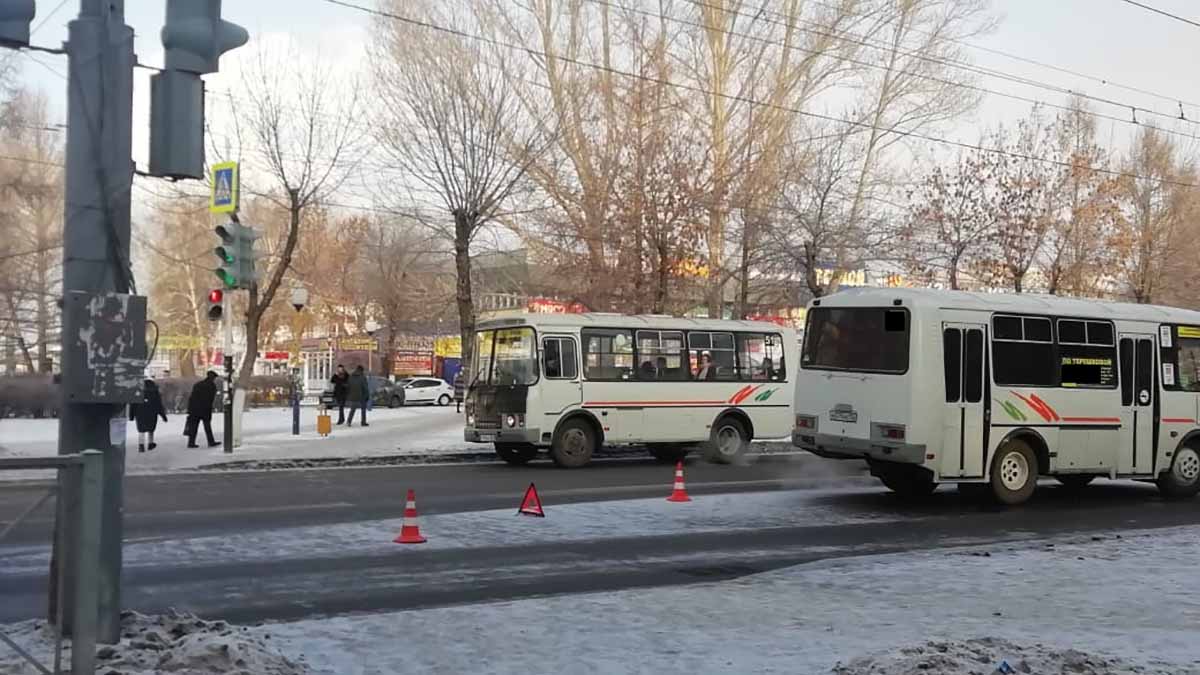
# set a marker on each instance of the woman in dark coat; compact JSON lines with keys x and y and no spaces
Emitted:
{"x":147,"y":413}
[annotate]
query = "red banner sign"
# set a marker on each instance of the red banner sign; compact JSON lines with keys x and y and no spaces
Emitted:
{"x":549,"y":306}
{"x":412,"y":363}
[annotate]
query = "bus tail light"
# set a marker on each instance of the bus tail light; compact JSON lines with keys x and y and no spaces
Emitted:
{"x":806,"y":422}
{"x":891,"y":432}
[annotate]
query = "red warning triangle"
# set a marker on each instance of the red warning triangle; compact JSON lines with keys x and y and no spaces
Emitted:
{"x":531,"y":505}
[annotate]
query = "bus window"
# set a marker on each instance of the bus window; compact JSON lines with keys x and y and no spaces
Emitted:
{"x":857,"y":339}
{"x":661,"y":355}
{"x":608,"y":354}
{"x":559,"y":358}
{"x":515,"y":357}
{"x":1187,"y":359}
{"x":1087,"y":354}
{"x":719,"y":349}
{"x":1023,"y":349}
{"x":760,"y":357}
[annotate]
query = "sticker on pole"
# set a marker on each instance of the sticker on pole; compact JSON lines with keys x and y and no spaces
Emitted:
{"x":531,"y":505}
{"x":224,"y":188}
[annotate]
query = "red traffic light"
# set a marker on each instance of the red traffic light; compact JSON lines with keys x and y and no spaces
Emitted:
{"x":216,"y":295}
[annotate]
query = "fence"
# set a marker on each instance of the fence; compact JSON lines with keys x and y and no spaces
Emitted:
{"x":81,"y":479}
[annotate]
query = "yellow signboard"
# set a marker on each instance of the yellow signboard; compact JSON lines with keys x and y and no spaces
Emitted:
{"x":448,"y":347}
{"x":179,"y":342}
{"x":224,"y":196}
{"x":1188,"y":332}
{"x":358,"y":344}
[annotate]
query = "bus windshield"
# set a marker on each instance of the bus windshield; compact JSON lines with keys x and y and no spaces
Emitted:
{"x":857,"y":339}
{"x":505,"y":356}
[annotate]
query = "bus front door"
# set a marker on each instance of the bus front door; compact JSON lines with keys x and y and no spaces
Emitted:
{"x":1136,"y":357}
{"x":963,"y":417}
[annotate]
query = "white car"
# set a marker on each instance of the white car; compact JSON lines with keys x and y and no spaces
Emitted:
{"x":427,"y":390}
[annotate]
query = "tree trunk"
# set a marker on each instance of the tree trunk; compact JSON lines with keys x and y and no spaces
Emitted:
{"x":464,"y":225}
{"x":257,"y":307}
{"x":744,"y":272}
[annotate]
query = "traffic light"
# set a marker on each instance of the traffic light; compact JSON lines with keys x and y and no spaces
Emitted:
{"x":15,"y":17}
{"x":236,"y":255}
{"x":216,"y":308}
{"x":195,"y":36}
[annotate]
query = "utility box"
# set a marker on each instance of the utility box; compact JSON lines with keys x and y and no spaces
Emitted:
{"x":104,"y":359}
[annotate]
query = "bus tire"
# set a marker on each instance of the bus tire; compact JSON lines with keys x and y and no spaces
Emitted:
{"x":1014,"y":472}
{"x":1075,"y":481}
{"x":910,"y":482}
{"x":1182,"y":480}
{"x":668,"y":453}
{"x":573,"y":444}
{"x":517,"y":454}
{"x":728,"y":441}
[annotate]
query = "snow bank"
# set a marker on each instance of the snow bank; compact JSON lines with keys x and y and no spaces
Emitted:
{"x":177,"y":643}
{"x":986,"y":656}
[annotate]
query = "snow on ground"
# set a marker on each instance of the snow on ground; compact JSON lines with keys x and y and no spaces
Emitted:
{"x":149,"y":645}
{"x":267,"y":434}
{"x":1114,"y":606}
{"x":563,"y":523}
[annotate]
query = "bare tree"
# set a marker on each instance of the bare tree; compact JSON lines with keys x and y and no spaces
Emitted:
{"x":454,"y":128}
{"x":304,"y":120}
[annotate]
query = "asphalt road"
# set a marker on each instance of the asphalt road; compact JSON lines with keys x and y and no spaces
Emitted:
{"x":294,"y":587}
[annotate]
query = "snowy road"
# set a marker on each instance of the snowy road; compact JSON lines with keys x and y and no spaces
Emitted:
{"x":313,"y":570}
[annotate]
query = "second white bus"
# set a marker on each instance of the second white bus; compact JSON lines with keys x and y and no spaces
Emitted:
{"x":571,"y":383}
{"x":994,"y":391}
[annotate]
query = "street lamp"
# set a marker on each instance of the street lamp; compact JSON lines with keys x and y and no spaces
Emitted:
{"x":299,"y":300}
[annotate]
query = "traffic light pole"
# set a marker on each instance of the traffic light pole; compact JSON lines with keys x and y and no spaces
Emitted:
{"x":227,"y":399}
{"x":99,"y":177}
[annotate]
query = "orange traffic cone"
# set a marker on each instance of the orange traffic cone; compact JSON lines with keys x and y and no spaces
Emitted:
{"x":410,"y":531}
{"x":679,"y":494}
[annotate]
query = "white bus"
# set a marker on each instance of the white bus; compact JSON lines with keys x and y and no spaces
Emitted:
{"x":993,"y":391}
{"x":575,"y":382}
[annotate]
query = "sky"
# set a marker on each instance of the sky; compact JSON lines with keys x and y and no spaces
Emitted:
{"x":1115,"y":44}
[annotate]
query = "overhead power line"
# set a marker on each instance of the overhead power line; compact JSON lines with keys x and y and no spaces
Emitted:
{"x":743,"y":99}
{"x":1164,"y":13}
{"x":879,"y":66}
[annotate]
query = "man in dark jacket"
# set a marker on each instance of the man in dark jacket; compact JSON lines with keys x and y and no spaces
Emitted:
{"x":340,"y":380}
{"x":358,"y":393}
{"x":460,"y":385}
{"x":147,"y":413}
{"x":200,"y":410}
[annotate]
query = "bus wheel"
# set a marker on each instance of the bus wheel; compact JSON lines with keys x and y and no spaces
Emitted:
{"x":727,"y":442}
{"x":1014,"y":472}
{"x":1075,"y":481}
{"x":667,"y":453}
{"x":1183,"y":480}
{"x":516,"y":453}
{"x":908,"y":481}
{"x":573,"y":445}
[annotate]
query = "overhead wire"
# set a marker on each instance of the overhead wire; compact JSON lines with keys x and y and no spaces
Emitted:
{"x":428,"y":25}
{"x":1163,"y":13}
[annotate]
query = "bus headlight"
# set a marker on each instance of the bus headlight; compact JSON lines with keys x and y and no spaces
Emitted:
{"x":511,"y":421}
{"x":470,"y":419}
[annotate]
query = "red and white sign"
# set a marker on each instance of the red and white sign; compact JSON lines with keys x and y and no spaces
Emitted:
{"x":412,"y":363}
{"x":276,"y":356}
{"x":550,"y":306}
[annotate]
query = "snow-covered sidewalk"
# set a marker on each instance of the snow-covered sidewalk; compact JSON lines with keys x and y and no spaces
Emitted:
{"x":1126,"y":597}
{"x":267,"y":435}
{"x":1098,"y":605}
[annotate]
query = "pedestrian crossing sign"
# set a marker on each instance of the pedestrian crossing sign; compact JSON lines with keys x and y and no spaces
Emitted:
{"x":224,"y":188}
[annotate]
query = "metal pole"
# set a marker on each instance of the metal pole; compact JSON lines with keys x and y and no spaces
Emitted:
{"x":227,"y":354}
{"x":99,"y":176}
{"x":83,"y":641}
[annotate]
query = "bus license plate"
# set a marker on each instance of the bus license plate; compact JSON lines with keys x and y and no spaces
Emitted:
{"x":486,"y":438}
{"x":843,"y":413}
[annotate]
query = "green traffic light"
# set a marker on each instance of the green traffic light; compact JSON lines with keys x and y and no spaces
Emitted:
{"x":226,"y":277}
{"x":224,"y":255}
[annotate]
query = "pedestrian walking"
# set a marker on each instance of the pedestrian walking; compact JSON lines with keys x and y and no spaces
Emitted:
{"x":200,"y":410}
{"x":340,"y":380}
{"x":358,"y":393}
{"x":460,"y":386}
{"x":146,"y":414}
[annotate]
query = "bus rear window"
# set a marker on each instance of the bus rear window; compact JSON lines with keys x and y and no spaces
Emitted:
{"x":857,"y":339}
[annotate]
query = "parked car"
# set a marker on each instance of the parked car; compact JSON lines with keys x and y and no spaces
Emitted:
{"x":427,"y":390}
{"x":384,"y":392}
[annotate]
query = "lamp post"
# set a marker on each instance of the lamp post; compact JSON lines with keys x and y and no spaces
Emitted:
{"x":299,"y":300}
